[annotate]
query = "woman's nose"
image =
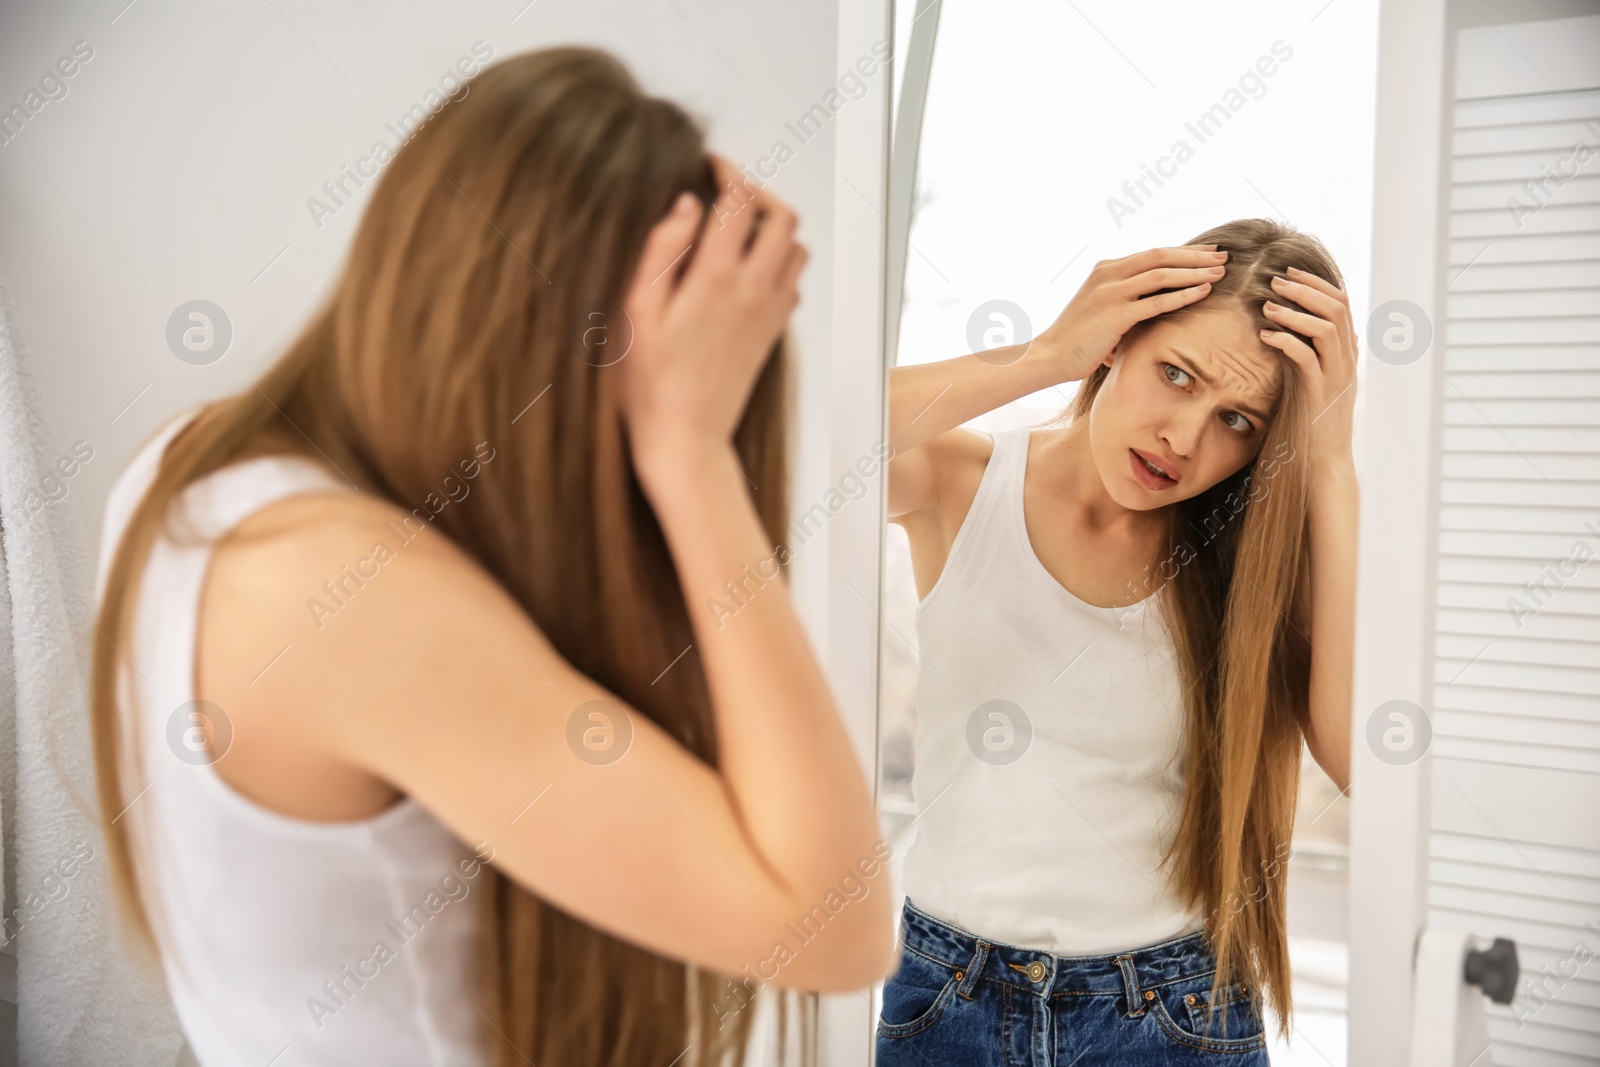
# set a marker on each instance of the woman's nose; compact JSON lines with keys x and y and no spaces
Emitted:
{"x":1182,"y":434}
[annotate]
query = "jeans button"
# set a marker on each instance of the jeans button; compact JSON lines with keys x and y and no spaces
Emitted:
{"x":1036,"y":970}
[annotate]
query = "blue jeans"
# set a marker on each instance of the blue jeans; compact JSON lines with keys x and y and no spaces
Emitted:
{"x":959,"y":999}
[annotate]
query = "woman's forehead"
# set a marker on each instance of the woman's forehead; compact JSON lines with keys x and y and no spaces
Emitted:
{"x":1223,"y":350}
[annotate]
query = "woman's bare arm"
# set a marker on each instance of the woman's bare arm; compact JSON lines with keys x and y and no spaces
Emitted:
{"x":926,"y":399}
{"x":1334,"y":522}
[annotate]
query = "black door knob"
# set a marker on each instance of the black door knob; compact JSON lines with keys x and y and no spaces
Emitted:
{"x":1494,"y":970}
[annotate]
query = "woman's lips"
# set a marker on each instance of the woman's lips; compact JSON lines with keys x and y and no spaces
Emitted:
{"x":1148,"y":478}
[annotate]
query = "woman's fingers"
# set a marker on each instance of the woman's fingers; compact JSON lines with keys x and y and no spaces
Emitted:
{"x":1169,"y":257}
{"x":1151,"y":306}
{"x":733,"y":214}
{"x":1299,"y":321}
{"x":1169,"y":278}
{"x":793,"y":265}
{"x":1296,"y":349}
{"x":1313,"y":299}
{"x":773,"y":221}
{"x":669,"y":239}
{"x":769,"y":255}
{"x":1323,"y":286}
{"x":1326,"y":319}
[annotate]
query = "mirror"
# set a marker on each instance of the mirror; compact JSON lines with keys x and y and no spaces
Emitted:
{"x":1033,"y":752}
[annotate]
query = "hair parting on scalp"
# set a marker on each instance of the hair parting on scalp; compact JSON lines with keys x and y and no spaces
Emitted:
{"x":1240,"y":622}
{"x":512,"y":217}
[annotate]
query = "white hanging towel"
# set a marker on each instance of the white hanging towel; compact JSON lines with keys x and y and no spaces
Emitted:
{"x":84,"y":997}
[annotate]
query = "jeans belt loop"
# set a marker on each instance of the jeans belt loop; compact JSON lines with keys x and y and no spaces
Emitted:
{"x":970,"y":978}
{"x":1130,"y":985}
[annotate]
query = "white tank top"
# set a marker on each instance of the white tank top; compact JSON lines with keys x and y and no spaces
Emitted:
{"x":292,"y":943}
{"x":1049,"y":764}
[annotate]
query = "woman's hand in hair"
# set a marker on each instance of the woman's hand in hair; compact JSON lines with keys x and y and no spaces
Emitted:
{"x":701,"y":340}
{"x":1116,"y":296}
{"x":1329,"y":369}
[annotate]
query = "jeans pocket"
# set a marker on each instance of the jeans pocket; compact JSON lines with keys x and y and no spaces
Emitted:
{"x":916,"y":995}
{"x":1183,"y":1011}
{"x":1233,"y":1016}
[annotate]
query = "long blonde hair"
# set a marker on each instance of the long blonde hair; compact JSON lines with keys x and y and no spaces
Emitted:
{"x":496,"y":235}
{"x":1239,"y":605}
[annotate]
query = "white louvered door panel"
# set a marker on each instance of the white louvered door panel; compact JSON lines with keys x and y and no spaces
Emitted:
{"x":1515,"y":848}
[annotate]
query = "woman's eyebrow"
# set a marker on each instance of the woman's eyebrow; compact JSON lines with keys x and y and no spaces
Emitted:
{"x":1188,"y":364}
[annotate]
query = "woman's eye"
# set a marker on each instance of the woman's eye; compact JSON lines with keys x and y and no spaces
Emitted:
{"x":1243,"y":426}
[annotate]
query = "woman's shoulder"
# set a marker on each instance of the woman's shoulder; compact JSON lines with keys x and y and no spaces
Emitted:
{"x":323,"y":617}
{"x":956,"y":461}
{"x":318,"y":599}
{"x":329,"y":525}
{"x":959,"y":456}
{"x":963,"y":444}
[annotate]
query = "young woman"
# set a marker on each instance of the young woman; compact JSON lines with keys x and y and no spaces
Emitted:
{"x":414,"y":743}
{"x":1131,"y":618}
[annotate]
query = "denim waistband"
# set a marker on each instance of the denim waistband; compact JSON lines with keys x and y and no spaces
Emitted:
{"x":1127,"y":974}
